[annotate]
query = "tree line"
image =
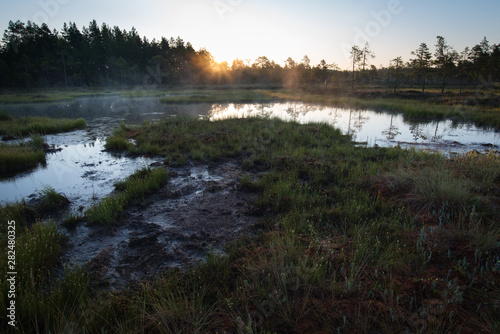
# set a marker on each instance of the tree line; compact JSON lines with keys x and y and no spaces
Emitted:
{"x":33,"y":56}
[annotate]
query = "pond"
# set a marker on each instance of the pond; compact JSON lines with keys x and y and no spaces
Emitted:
{"x":84,"y":172}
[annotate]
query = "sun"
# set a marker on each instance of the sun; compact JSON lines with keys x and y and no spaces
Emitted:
{"x":220,"y":60}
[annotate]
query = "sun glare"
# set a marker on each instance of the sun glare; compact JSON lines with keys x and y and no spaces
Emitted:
{"x":219,"y":60}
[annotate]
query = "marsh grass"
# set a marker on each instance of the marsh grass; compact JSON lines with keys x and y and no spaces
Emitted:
{"x":438,"y":189}
{"x":72,"y":219}
{"x":119,"y":144}
{"x":26,"y":126}
{"x":51,"y":200}
{"x":19,"y":157}
{"x":181,"y":308}
{"x":51,"y":95}
{"x":328,"y":233}
{"x":5,"y":117}
{"x":142,"y":182}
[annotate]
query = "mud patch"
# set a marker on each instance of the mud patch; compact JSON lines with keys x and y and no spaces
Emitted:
{"x":201,"y":209}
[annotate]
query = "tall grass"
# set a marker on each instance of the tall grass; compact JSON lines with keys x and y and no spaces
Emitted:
{"x":436,"y":189}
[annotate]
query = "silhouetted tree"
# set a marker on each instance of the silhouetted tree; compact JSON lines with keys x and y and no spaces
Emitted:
{"x":356,"y":56}
{"x":445,"y":58}
{"x":421,"y":63}
{"x":366,"y":55}
{"x":396,"y":65}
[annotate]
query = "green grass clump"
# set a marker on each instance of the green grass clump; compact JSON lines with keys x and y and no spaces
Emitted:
{"x":25,"y":126}
{"x":20,"y":212}
{"x":19,"y":157}
{"x":119,"y":144}
{"x":37,"y":251}
{"x":136,"y":186}
{"x":51,"y":200}
{"x":71,"y":219}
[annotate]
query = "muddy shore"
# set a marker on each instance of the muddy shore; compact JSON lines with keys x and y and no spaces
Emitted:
{"x":202,"y":208}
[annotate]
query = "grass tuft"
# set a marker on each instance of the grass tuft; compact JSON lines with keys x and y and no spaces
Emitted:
{"x":51,"y":200}
{"x":139,"y":184}
{"x":14,"y":158}
{"x":26,"y":126}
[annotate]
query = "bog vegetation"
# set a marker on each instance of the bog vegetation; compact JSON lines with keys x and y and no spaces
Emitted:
{"x":352,"y":239}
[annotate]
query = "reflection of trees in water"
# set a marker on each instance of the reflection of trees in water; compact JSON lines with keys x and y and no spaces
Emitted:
{"x":392,"y":131}
{"x":356,"y":121}
{"x":351,"y":130}
{"x":295,"y":110}
{"x":419,"y":133}
{"x":436,"y":137}
{"x":360,"y":120}
{"x":216,"y":110}
{"x":265,"y":110}
{"x":335,"y":115}
{"x":416,"y":131}
{"x":222,"y":111}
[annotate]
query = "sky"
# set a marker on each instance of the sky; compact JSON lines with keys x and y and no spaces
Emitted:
{"x":278,"y":29}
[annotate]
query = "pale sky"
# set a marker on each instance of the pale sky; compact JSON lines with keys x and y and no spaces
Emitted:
{"x":278,"y":29}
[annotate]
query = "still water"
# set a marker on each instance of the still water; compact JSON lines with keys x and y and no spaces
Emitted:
{"x":84,"y":172}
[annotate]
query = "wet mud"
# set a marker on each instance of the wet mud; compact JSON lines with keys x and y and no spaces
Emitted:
{"x":201,"y":209}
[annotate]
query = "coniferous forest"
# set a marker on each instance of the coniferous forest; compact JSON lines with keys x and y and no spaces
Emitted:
{"x":33,"y":56}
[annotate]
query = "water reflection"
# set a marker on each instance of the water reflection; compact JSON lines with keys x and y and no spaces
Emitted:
{"x":392,"y":131}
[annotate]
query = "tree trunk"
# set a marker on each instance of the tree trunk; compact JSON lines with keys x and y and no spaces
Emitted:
{"x":423,"y":85}
{"x":65,"y":75}
{"x":353,"y":73}
{"x":444,"y":80}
